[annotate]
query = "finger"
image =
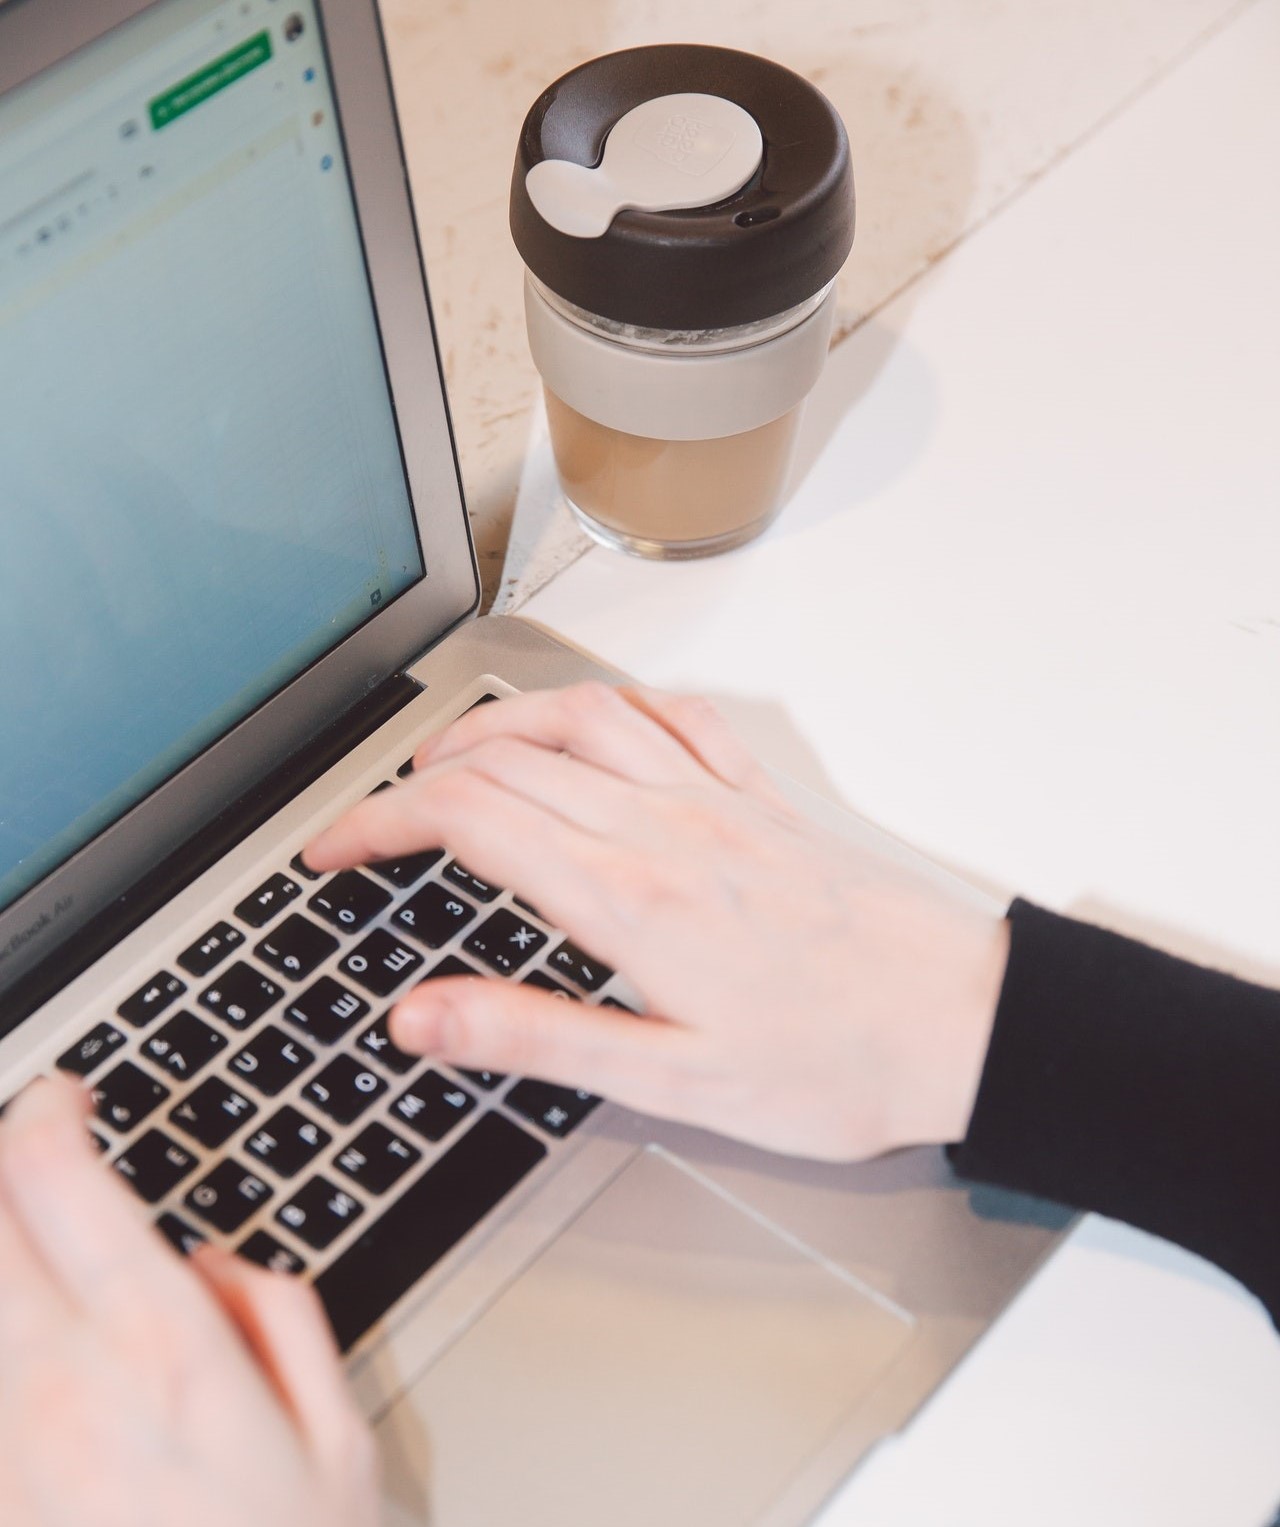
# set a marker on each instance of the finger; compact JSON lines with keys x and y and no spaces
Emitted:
{"x":592,"y":721}
{"x":499,"y":834}
{"x":495,"y":1026}
{"x":284,"y":1326}
{"x":579,"y":793}
{"x":450,"y":810}
{"x":82,"y":1221}
{"x":30,"y":1302}
{"x":19,"y":1509}
{"x":698,"y":726}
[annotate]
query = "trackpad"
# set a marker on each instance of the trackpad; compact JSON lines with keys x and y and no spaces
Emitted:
{"x":669,"y":1358}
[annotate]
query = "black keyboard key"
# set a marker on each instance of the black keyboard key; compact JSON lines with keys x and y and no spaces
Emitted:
{"x":98,"y":1142}
{"x":377,"y":1158}
{"x":296,"y":947}
{"x":452,"y":966}
{"x":228,"y":1196}
{"x":409,"y":870}
{"x":89,"y":1053}
{"x":429,"y":1218}
{"x":240,"y":995}
{"x":183,"y":1045}
{"x":625,"y":1006}
{"x":558,"y":1110}
{"x":482,"y":890}
{"x":385,"y":785}
{"x":326,"y":1010}
{"x":486,"y":1079}
{"x":377,"y":1042}
{"x":271,"y":1060}
{"x":125,"y":1096}
{"x":344,"y":1089}
{"x":267,"y":1252}
{"x":150,"y":1001}
{"x":154,"y":1165}
{"x":212,"y":1112}
{"x":318,"y":1213}
{"x":287,"y":1142}
{"x":433,"y":915}
{"x":182,"y":1237}
{"x":210,"y":949}
{"x":584,"y":971}
{"x":505,"y":941}
{"x":349,"y":901}
{"x":271,"y":897}
{"x":405,"y":769}
{"x":380,"y":963}
{"x":543,"y":982}
{"x":433,"y":1106}
{"x":299,"y":866}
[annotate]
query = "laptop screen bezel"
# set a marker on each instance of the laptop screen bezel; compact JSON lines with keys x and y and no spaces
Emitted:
{"x":36,"y":35}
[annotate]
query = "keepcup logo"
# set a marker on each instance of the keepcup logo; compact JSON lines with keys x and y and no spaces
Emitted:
{"x":689,"y":144}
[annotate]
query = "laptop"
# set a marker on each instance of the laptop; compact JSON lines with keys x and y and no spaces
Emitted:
{"x":237,"y":590}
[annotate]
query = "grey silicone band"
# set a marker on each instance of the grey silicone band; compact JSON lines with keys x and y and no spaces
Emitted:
{"x":679,"y":396}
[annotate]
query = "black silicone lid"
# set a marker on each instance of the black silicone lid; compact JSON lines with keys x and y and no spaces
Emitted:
{"x":769,"y":246}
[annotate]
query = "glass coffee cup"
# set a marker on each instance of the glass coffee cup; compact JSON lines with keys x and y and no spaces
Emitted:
{"x":682,"y":213}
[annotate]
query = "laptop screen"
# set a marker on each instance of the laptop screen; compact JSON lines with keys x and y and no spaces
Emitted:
{"x":201,"y":485}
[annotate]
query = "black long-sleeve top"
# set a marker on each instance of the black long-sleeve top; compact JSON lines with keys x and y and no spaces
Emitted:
{"x":1123,"y":1080}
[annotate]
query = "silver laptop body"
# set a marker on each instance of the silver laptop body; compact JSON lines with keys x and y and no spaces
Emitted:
{"x":237,"y":587}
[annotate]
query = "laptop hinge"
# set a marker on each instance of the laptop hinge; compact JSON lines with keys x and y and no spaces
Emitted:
{"x":207,"y":846}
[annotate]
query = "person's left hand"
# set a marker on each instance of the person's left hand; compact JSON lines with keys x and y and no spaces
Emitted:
{"x":136,"y":1391}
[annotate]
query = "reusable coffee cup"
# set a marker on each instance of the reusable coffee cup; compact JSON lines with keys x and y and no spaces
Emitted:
{"x":682,"y":213}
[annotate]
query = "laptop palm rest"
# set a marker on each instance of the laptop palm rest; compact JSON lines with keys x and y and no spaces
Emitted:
{"x":670,"y":1357}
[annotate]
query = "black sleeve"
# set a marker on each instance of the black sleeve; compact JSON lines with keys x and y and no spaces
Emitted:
{"x":1123,"y":1080}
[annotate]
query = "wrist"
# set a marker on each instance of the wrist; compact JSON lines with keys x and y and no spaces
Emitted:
{"x":954,"y":1012}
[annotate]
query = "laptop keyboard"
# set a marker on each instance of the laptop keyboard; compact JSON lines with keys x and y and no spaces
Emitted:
{"x":252,"y":1095}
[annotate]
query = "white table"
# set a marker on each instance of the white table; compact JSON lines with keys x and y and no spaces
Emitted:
{"x":1024,"y":611}
{"x":953,"y":106}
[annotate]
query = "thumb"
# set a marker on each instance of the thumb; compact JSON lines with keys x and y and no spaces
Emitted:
{"x":286,"y":1333}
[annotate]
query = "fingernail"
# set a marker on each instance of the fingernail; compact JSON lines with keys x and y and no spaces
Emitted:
{"x":312,"y":854}
{"x":219,"y":1256}
{"x":403,"y":1024}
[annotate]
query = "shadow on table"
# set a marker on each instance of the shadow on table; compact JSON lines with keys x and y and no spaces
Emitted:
{"x":775,"y":739}
{"x":1184,"y":944}
{"x":915,"y":169}
{"x":851,"y":446}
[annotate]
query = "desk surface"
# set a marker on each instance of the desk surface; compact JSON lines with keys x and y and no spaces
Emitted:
{"x":1024,"y":607}
{"x":953,"y":108}
{"x":1027,"y":618}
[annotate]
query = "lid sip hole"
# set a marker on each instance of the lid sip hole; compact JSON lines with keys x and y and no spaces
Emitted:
{"x":756,"y":215}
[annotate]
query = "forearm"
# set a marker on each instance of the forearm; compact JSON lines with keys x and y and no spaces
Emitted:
{"x":1147,"y":1088}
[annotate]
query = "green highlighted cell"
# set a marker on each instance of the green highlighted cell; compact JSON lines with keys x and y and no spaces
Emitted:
{"x":197,"y":88}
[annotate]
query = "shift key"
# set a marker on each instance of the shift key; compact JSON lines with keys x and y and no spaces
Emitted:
{"x":429,"y":1219}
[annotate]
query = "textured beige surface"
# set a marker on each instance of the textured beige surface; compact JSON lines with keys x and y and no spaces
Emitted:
{"x":952,"y":106}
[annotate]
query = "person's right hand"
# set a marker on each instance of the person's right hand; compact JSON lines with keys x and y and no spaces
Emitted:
{"x":139,"y":1391}
{"x":803,"y":994}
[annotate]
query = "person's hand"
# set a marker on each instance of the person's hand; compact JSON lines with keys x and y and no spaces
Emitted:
{"x":801,"y":994}
{"x":136,"y":1391}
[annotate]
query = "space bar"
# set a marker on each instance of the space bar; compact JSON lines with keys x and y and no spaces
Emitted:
{"x":416,"y":1231}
